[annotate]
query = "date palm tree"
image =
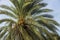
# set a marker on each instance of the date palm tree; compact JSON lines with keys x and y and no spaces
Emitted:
{"x":31,"y":22}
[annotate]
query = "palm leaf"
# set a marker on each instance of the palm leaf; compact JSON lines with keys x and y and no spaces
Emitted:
{"x":7,"y":7}
{"x":8,"y":13}
{"x":8,"y":20}
{"x":15,"y":3}
{"x":25,"y":34}
{"x":49,"y":25}
{"x":38,"y":11}
{"x":3,"y":33}
{"x":36,"y":31}
{"x":30,"y":7}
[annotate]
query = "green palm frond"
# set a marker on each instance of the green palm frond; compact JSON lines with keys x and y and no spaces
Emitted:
{"x":12,"y":9}
{"x":48,"y":24}
{"x":8,"y":13}
{"x":31,"y":7}
{"x":7,"y":37}
{"x":51,"y":21}
{"x":2,"y":33}
{"x":1,"y":29}
{"x":7,"y":7}
{"x":38,"y":11}
{"x":8,"y":20}
{"x":25,"y":34}
{"x":44,"y":10}
{"x":15,"y":3}
{"x":47,"y":15}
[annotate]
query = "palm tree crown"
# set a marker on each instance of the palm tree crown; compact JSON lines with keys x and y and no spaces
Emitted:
{"x":30,"y":23}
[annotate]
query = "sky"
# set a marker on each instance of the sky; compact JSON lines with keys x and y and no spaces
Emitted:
{"x":52,"y":4}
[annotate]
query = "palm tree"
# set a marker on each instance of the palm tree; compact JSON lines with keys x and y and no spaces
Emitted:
{"x":30,"y":23}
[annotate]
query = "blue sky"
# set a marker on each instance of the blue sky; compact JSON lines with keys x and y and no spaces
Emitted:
{"x":55,"y":5}
{"x":52,"y":4}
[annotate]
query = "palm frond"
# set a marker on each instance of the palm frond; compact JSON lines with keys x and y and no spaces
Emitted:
{"x":1,"y":29}
{"x":38,"y":11}
{"x":36,"y":31}
{"x":8,"y":20}
{"x":25,"y":34}
{"x":3,"y":32}
{"x":32,"y":6}
{"x":15,"y":3}
{"x":48,"y":25}
{"x":47,"y":15}
{"x":30,"y":31}
{"x":8,"y":13}
{"x":10,"y":8}
{"x":7,"y":7}
{"x":52,"y":21}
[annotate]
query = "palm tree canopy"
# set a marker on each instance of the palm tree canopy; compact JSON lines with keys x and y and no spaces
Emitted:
{"x":30,"y":23}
